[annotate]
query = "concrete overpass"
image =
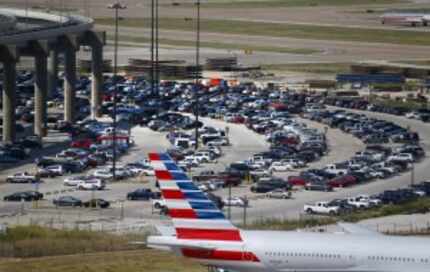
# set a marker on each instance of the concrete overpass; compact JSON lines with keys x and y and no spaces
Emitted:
{"x":44,"y":36}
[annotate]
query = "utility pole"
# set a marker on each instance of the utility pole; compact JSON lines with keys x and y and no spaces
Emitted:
{"x":157,"y":45}
{"x":116,"y":7}
{"x":245,"y":206}
{"x":229,"y":202}
{"x":197,"y":76}
{"x":152,"y":74}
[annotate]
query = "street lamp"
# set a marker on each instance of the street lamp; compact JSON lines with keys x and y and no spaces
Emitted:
{"x":116,"y":7}
{"x":197,"y":75}
{"x":152,"y":45}
{"x":157,"y":46}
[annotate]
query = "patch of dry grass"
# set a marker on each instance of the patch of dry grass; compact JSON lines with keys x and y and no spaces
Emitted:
{"x":122,"y":261}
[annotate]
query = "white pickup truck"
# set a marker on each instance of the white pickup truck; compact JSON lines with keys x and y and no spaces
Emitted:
{"x":335,"y":169}
{"x":321,"y":207}
{"x":23,"y":177}
{"x":358,"y":202}
{"x":372,"y":200}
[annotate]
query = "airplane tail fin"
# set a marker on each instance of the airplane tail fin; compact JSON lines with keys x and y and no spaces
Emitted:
{"x":194,"y":215}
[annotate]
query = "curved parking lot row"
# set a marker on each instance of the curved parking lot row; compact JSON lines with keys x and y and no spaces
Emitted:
{"x":264,"y":208}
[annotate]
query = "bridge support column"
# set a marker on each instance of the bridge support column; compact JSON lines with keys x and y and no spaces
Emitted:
{"x":69,"y":84}
{"x":97,"y":78}
{"x":9,"y":101}
{"x":52,"y":72}
{"x":40,"y":93}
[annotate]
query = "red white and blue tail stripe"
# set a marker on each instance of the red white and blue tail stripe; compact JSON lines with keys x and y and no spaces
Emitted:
{"x":193,"y":214}
{"x":202,"y":231}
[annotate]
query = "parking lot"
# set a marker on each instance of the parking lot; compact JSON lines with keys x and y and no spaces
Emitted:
{"x":244,"y":144}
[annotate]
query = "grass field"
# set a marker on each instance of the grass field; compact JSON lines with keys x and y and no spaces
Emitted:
{"x":314,"y":68}
{"x":220,"y":45}
{"x":120,"y":261}
{"x":34,"y":241}
{"x":37,"y":249}
{"x":287,"y":3}
{"x":284,"y":30}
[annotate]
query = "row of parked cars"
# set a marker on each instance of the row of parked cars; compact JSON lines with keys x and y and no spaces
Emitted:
{"x":422,"y":114}
{"x":20,"y":150}
{"x":360,"y":202}
{"x":212,"y":140}
{"x":24,"y":112}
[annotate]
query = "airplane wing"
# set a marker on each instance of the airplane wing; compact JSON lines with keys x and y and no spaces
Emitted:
{"x":357,"y":229}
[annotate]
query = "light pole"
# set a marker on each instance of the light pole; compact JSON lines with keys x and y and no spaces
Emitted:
{"x":229,"y":202}
{"x":116,"y":7}
{"x":152,"y":74}
{"x":157,"y":66}
{"x":197,"y":75}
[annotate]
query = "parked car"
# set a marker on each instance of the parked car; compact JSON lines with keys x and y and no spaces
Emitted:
{"x":23,"y":196}
{"x":23,"y":177}
{"x":321,"y":207}
{"x":358,"y":202}
{"x":280,"y":166}
{"x":91,"y":184}
{"x":236,"y":201}
{"x":141,"y":194}
{"x":51,"y":171}
{"x":279,"y":193}
{"x":67,"y":201}
{"x":403,"y":157}
{"x":318,"y":186}
{"x":96,"y":203}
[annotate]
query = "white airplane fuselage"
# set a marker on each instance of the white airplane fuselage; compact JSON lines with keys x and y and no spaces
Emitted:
{"x":323,"y":252}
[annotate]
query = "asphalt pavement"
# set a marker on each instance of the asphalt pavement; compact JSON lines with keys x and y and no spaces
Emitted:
{"x":244,"y":143}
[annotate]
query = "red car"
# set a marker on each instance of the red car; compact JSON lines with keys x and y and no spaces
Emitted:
{"x":238,"y":120}
{"x":297,"y":181}
{"x":84,"y":143}
{"x":342,"y":181}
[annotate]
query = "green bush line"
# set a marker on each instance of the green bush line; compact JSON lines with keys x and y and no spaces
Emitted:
{"x":420,"y":205}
